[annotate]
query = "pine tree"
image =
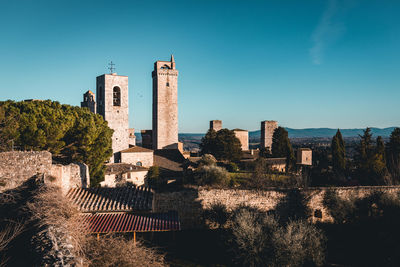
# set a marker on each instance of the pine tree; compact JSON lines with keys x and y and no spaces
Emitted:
{"x":282,"y":148}
{"x":223,"y":145}
{"x":393,"y":155}
{"x":338,"y":154}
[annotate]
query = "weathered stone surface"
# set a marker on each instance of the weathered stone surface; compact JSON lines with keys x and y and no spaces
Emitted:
{"x":243,"y":137}
{"x":190,"y":203}
{"x":165,"y":104}
{"x":267,"y":131}
{"x":216,"y":125}
{"x":16,"y":167}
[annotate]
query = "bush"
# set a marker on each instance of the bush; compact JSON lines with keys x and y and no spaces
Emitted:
{"x":211,"y":175}
{"x":207,"y":160}
{"x":217,"y":214}
{"x":342,"y":210}
{"x":259,"y":240}
{"x":153,"y":178}
{"x":232,"y":167}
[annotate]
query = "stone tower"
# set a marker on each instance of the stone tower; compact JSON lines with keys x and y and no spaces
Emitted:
{"x":113,"y":105}
{"x":89,"y":101}
{"x":216,"y":125}
{"x":267,"y":131}
{"x":165,"y":104}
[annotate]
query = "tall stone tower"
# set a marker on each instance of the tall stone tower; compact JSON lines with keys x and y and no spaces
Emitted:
{"x":113,"y":105}
{"x":165,"y":104}
{"x":89,"y":101}
{"x":267,"y":131}
{"x":216,"y":125}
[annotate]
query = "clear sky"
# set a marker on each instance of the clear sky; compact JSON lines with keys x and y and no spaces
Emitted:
{"x":314,"y":63}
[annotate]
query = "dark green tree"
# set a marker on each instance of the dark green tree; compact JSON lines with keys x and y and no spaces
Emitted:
{"x":223,"y":145}
{"x":393,"y":155}
{"x":282,"y":148}
{"x":338,"y":154}
{"x":71,"y":134}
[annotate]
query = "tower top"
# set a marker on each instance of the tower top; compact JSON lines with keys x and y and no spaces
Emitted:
{"x":172,"y":58}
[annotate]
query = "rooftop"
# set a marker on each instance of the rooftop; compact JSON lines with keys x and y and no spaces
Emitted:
{"x":136,"y":149}
{"x":118,"y":199}
{"x":119,"y":168}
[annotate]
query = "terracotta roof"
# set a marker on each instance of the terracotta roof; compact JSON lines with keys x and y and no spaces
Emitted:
{"x":123,"y":168}
{"x":103,"y":199}
{"x":126,"y":222}
{"x":170,"y":160}
{"x":136,"y":149}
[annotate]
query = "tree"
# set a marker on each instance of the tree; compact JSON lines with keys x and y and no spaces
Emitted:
{"x":282,"y":148}
{"x":338,"y":154}
{"x":393,"y":155}
{"x":71,"y":134}
{"x":223,"y":145}
{"x":153,"y":178}
{"x":370,"y":160}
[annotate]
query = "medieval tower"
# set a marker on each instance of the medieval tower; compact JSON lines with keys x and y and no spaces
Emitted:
{"x":89,"y":101}
{"x":113,"y":105}
{"x":267,"y":131}
{"x":165,"y":105}
{"x":216,"y":125}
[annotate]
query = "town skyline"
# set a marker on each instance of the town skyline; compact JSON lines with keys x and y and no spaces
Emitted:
{"x":314,"y":65}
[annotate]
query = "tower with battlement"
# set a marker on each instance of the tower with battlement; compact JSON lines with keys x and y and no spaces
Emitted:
{"x":216,"y":125}
{"x":113,"y":105}
{"x":165,"y":104}
{"x":89,"y":101}
{"x":267,"y":131}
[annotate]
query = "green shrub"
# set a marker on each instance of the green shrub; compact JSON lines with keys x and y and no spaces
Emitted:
{"x":211,"y":175}
{"x":217,"y":214}
{"x":153,"y":178}
{"x":207,"y":160}
{"x":232,"y":167}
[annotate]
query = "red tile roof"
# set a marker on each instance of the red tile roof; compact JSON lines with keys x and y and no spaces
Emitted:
{"x":118,"y":199}
{"x":127,"y":222}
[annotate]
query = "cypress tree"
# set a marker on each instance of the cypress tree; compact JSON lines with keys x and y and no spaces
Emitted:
{"x":393,"y":155}
{"x":338,"y":154}
{"x":282,"y":148}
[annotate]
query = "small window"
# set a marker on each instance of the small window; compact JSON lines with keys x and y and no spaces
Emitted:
{"x":138,"y":163}
{"x":167,"y":84}
{"x":129,"y":175}
{"x":117,"y":96}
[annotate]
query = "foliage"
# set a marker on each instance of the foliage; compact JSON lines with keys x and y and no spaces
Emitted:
{"x":207,"y":160}
{"x":338,"y":154}
{"x":282,"y":148}
{"x":232,"y":167}
{"x":217,"y":214}
{"x":259,"y":240}
{"x":294,"y":206}
{"x":370,"y":160}
{"x":223,"y":145}
{"x":211,"y":175}
{"x":342,"y":210}
{"x":153,"y":178}
{"x":71,"y":134}
{"x":393,"y":155}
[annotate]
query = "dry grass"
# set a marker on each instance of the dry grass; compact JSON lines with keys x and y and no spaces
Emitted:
{"x":51,"y":209}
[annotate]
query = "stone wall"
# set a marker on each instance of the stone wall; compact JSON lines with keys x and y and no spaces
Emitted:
{"x":146,"y":158}
{"x":243,"y":137}
{"x":190,"y":203}
{"x":16,"y":167}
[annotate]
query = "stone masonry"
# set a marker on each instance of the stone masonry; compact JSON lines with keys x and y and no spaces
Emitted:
{"x":191,"y":203}
{"x":243,"y":137}
{"x":267,"y":131}
{"x":113,"y":105}
{"x":216,"y":125}
{"x":165,"y":104}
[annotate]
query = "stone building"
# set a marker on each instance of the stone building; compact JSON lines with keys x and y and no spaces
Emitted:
{"x":147,"y":138}
{"x":165,"y":104}
{"x":113,"y":105}
{"x":89,"y":101}
{"x":138,"y":156}
{"x":216,"y":125}
{"x":267,"y":131}
{"x":304,"y":156}
{"x":243,"y":137}
{"x":123,"y":173}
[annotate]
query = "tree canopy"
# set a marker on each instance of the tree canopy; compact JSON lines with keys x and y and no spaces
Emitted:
{"x":71,"y":134}
{"x":393,"y":155}
{"x":281,"y":146}
{"x":223,"y":145}
{"x":338,"y":154}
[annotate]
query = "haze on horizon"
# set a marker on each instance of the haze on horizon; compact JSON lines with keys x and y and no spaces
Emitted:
{"x":323,"y":63}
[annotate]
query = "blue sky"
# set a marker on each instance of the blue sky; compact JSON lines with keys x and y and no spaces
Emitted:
{"x":316,"y":63}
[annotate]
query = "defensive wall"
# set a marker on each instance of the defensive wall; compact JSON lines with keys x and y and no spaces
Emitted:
{"x":16,"y":167}
{"x":191,"y":203}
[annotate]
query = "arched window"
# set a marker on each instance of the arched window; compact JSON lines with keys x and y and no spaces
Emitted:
{"x":117,"y":96}
{"x":165,"y":67}
{"x":139,"y":163}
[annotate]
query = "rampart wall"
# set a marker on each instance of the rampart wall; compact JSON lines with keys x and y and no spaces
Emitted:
{"x":190,"y":203}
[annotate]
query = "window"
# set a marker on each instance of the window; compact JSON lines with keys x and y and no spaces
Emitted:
{"x":117,"y":96}
{"x":167,"y":84}
{"x":138,"y":163}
